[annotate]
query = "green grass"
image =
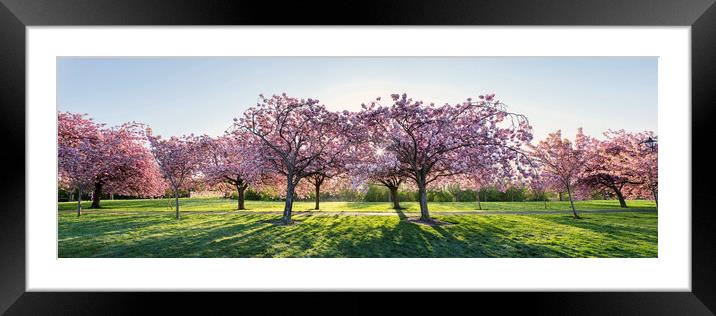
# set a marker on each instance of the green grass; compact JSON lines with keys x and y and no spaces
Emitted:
{"x":225,"y":205}
{"x":256,"y":235}
{"x":146,"y":228}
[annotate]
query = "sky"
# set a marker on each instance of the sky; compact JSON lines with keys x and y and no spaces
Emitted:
{"x":202,"y":95}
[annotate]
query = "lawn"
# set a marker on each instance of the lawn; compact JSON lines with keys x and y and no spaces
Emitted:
{"x":126,"y":234}
{"x":226,"y":205}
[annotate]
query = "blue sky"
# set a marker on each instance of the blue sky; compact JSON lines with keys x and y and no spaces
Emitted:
{"x":202,"y":95}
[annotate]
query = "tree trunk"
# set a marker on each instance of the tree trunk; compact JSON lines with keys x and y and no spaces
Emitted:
{"x":290,"y":191}
{"x":424,"y":214}
{"x":318,"y":195}
{"x":240,"y":189}
{"x":654,"y":192}
{"x":176,"y":202}
{"x":111,"y":196}
{"x":79,"y":202}
{"x":560,"y":197}
{"x":571,"y":201}
{"x":620,"y":196}
{"x":72,"y":195}
{"x":394,"y":197}
{"x":95,"y":195}
{"x":479,"y":206}
{"x":544,"y":197}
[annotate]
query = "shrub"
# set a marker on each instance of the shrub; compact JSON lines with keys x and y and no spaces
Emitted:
{"x":538,"y":197}
{"x":408,"y":196}
{"x":376,"y":193}
{"x":440,"y":196}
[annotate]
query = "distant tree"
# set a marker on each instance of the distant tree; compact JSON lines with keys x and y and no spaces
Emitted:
{"x":178,"y":159}
{"x":332,"y":161}
{"x":427,"y":139}
{"x":540,"y":183}
{"x":487,"y":166}
{"x":376,"y":165}
{"x":232,"y":159}
{"x":563,"y":160}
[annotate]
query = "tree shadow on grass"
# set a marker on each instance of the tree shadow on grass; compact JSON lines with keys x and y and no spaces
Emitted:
{"x":598,"y":236}
{"x":391,"y":239}
{"x":329,"y":236}
{"x":408,"y":240}
{"x":618,"y":229}
{"x":198,"y":241}
{"x":92,"y":225}
{"x":254,"y":236}
{"x":488,"y":240}
{"x":401,"y":215}
{"x":335,"y":236}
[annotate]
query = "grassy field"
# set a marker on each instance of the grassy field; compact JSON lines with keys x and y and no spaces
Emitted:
{"x":226,"y":205}
{"x":118,"y":231}
{"x":233,"y":235}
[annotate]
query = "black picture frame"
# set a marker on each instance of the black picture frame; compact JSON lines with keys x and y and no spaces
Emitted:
{"x":16,"y":15}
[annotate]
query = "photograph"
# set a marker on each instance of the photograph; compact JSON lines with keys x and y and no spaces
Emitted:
{"x":357,"y":157}
{"x":244,"y":152}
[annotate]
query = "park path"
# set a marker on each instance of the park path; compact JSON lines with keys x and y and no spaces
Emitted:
{"x":352,"y":213}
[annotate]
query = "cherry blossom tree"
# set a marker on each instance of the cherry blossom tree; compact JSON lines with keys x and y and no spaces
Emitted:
{"x":124,"y":164}
{"x":144,"y":180}
{"x":608,"y":166}
{"x":640,"y":160}
{"x":376,"y":165}
{"x":78,"y":149}
{"x":331,"y":162}
{"x":499,"y":166}
{"x":563,"y":160}
{"x":178,"y":159}
{"x":318,"y":179}
{"x":295,"y":134}
{"x":232,"y":159}
{"x":427,"y":139}
{"x":539,"y":188}
{"x":541,"y":182}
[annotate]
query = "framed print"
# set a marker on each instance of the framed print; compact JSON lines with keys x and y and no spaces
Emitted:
{"x":503,"y":150}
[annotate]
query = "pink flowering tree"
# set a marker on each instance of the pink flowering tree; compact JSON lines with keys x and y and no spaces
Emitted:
{"x":331,"y":162}
{"x":295,"y":135}
{"x":376,"y":165}
{"x":232,"y":159}
{"x":609,"y":167}
{"x":178,"y":159}
{"x":646,"y":164}
{"x":124,"y":165}
{"x":78,"y":150}
{"x":539,"y":188}
{"x":427,"y":140}
{"x":323,"y":176}
{"x":488,"y":165}
{"x":476,"y":180}
{"x":641,"y":160}
{"x":541,"y":182}
{"x":562,"y":160}
{"x":144,"y":179}
{"x":483,"y":177}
